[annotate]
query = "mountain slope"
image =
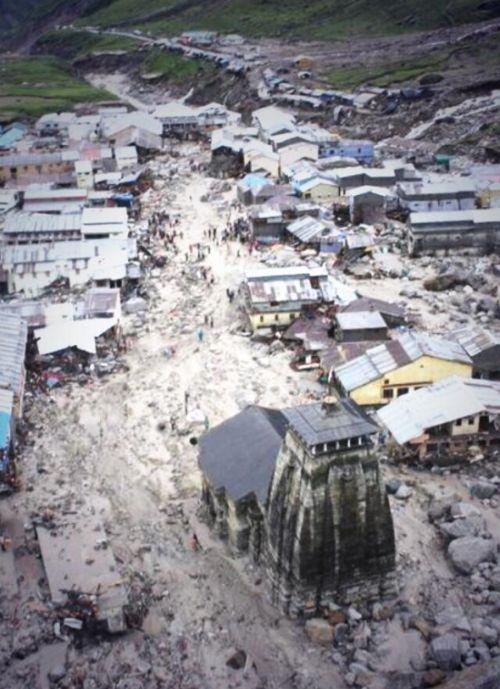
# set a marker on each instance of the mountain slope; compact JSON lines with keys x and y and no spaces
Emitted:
{"x":315,"y":19}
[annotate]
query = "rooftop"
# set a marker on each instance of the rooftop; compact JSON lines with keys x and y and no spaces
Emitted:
{"x":410,"y":415}
{"x":13,"y":336}
{"x":360,"y":320}
{"x":319,"y":423}
{"x":396,"y":353}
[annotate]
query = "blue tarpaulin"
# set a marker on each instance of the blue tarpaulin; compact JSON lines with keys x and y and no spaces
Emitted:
{"x":4,"y":431}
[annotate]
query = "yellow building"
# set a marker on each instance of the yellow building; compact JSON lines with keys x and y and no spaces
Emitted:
{"x":394,"y":368}
{"x":36,"y":164}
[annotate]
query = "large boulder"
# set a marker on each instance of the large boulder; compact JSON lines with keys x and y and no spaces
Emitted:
{"x":470,"y":526}
{"x":446,"y":651}
{"x":468,"y":552}
{"x":483,"y":490}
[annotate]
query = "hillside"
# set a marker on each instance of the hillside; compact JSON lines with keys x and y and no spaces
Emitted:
{"x":316,"y":19}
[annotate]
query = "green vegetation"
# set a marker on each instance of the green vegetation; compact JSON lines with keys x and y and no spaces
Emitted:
{"x":389,"y":73}
{"x":173,"y":67}
{"x":75,"y":45}
{"x":31,"y":86}
{"x":316,"y":19}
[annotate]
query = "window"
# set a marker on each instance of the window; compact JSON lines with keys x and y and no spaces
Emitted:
{"x":471,"y":421}
{"x":386,"y":381}
{"x":276,"y":317}
{"x":458,"y":422}
{"x":402,"y":391}
{"x":292,"y":316}
{"x":261,"y":319}
{"x":388,"y":393}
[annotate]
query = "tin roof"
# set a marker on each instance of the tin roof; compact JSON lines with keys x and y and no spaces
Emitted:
{"x":448,"y":400}
{"x":307,"y":228}
{"x":13,"y":336}
{"x":475,"y":341}
{"x":360,"y":320}
{"x":391,"y":355}
{"x":34,"y":223}
{"x":372,"y":304}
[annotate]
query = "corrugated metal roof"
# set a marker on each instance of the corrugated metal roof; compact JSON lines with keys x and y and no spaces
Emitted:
{"x":396,"y":353}
{"x":34,"y":223}
{"x":360,"y":320}
{"x":38,"y":194}
{"x":475,"y":341}
{"x":13,"y":336}
{"x":477,"y":217}
{"x":410,"y":415}
{"x":33,"y":312}
{"x":372,"y":304}
{"x":307,"y":228}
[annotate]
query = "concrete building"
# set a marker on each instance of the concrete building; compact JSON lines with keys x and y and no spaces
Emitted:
{"x":265,"y":477}
{"x":276,"y":297}
{"x":102,"y":223}
{"x":84,"y":174}
{"x":367,"y":204}
{"x":454,"y":195}
{"x":29,"y":269}
{"x":470,"y":231}
{"x":25,"y":165}
{"x":318,"y":189}
{"x":37,"y":228}
{"x":398,"y":366}
{"x":359,"y":326}
{"x":54,"y":201}
{"x":126,"y":157}
{"x":393,"y":314}
{"x":360,"y":150}
{"x":271,"y":121}
{"x":445,"y":418}
{"x":483,"y":347}
{"x":13,"y":338}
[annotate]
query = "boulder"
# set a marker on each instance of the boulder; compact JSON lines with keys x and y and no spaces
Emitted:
{"x":460,"y":510}
{"x":483,"y":490}
{"x":135,"y":305}
{"x":470,"y":526}
{"x":319,"y":631}
{"x":403,"y":492}
{"x":468,"y":552}
{"x":446,"y":652}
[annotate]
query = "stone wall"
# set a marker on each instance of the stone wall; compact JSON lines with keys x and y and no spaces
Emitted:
{"x":329,"y":531}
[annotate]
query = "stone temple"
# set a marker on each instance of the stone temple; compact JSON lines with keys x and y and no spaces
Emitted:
{"x":300,"y":490}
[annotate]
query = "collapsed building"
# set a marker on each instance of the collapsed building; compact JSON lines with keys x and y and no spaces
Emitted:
{"x":301,"y":491}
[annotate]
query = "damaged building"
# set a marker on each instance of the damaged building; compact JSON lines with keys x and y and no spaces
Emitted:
{"x":301,"y":492}
{"x":274,"y":298}
{"x":445,"y":418}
